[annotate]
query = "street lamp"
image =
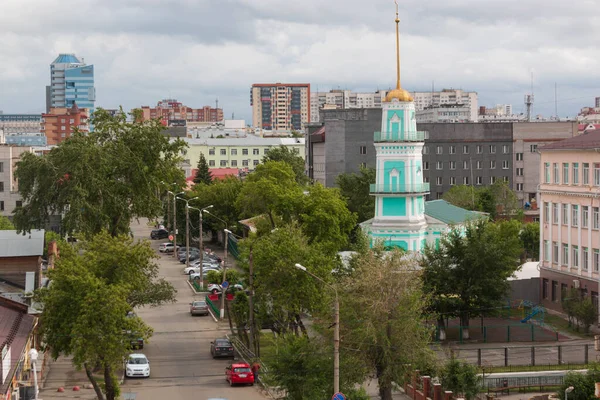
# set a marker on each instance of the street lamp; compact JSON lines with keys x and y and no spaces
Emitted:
{"x":224,"y":290}
{"x":33,"y":356}
{"x":168,"y":205}
{"x":222,"y":220}
{"x":336,"y":330}
{"x":201,"y":242}
{"x":567,"y":391}
{"x":175,"y":221}
{"x":187,"y":229}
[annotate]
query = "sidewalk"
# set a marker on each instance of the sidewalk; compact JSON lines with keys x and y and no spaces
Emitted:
{"x":63,"y":374}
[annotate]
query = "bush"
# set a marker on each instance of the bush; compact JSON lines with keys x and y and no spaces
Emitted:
{"x":232,"y":276}
{"x":461,"y":378}
{"x":583,"y":384}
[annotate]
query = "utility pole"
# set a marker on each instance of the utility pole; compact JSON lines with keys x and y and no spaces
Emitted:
{"x":175,"y":221}
{"x":224,"y":290}
{"x":187,"y":234}
{"x":201,"y":242}
{"x":251,"y":301}
{"x":472,"y":183}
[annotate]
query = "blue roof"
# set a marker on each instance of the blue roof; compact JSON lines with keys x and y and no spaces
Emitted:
{"x":450,"y":214}
{"x":67,"y":59}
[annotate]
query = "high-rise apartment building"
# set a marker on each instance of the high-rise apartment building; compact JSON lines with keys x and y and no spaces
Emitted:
{"x":71,"y":82}
{"x":174,"y":113}
{"x":446,"y":97}
{"x":59,"y":123}
{"x":280,"y":106}
{"x":343,"y":99}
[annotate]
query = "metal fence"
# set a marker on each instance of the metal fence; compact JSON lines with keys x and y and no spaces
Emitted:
{"x":212,"y":306}
{"x":501,"y":333}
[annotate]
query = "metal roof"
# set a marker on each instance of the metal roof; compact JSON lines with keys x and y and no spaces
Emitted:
{"x":450,"y":214}
{"x":67,"y":59}
{"x":589,"y":140}
{"x":13,"y":244}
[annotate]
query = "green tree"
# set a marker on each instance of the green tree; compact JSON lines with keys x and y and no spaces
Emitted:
{"x":5,"y":224}
{"x":203,"y":174}
{"x":355,"y":189}
{"x":463,"y":196}
{"x":382,"y":316}
{"x":85,"y":308}
{"x":99,"y":180}
{"x":583,"y":384}
{"x":461,"y":378}
{"x":530,"y":239}
{"x":471,"y":266}
{"x":283,"y":153}
{"x":505,"y":200}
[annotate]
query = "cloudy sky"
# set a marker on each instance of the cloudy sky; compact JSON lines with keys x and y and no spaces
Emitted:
{"x":200,"y":50}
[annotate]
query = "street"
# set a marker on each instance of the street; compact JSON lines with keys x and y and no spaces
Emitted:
{"x":179,"y":351}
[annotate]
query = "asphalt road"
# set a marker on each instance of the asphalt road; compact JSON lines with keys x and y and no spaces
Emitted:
{"x":179,"y":352}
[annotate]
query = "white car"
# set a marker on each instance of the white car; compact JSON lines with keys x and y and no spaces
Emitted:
{"x":166,"y":247}
{"x":137,"y":365}
{"x":214,"y":288}
{"x":205,"y":263}
{"x":195,"y":269}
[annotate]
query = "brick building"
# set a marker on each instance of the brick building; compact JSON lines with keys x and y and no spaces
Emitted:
{"x":174,"y":113}
{"x":59,"y":123}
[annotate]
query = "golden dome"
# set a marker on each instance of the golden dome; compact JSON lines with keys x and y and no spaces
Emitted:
{"x":398,"y":93}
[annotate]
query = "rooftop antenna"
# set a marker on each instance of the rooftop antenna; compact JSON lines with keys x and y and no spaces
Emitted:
{"x":556,"y":101}
{"x":217,"y":103}
{"x":529,"y":101}
{"x":432,"y":91}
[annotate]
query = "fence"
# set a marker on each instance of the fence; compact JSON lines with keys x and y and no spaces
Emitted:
{"x":559,"y":355}
{"x":212,"y":306}
{"x":501,"y":333}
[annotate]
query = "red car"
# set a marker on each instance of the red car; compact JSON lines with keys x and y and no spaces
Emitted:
{"x":239,"y":373}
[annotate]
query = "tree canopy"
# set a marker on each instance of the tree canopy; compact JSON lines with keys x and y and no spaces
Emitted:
{"x":496,"y":200}
{"x":355,"y":189}
{"x":530,"y":239}
{"x":5,"y":224}
{"x":99,"y":180}
{"x":203,"y":174}
{"x":285,"y":154}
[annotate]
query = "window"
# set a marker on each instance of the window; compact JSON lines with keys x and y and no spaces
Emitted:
{"x":492,"y":149}
{"x":505,"y":164}
{"x":234,"y":163}
{"x":479,"y":149}
{"x":556,"y":177}
{"x":438,"y":180}
{"x":505,"y":149}
{"x":546,"y":250}
{"x":363,"y":150}
{"x":439,"y":165}
{"x":565,"y":173}
{"x":586,"y":173}
{"x":62,"y":128}
{"x":266,"y":150}
{"x":585,"y":217}
{"x":596,"y":174}
{"x":1,"y":186}
{"x":19,"y":203}
{"x":575,"y":256}
{"x":1,"y":166}
{"x":439,"y":150}
{"x":565,"y":214}
{"x":452,"y":150}
{"x":223,"y":163}
{"x":555,"y":213}
{"x":479,"y":180}
{"x":574,"y":215}
{"x":465,"y":180}
{"x":519,"y":171}
{"x":555,"y":252}
{"x":545,"y":288}
{"x":244,"y":163}
{"x":585,"y":262}
{"x":256,"y":152}
{"x":546,"y":212}
{"x":575,"y":173}
{"x":211,"y":152}
{"x":363,"y":165}
{"x":595,"y":218}
{"x":479,"y":164}
{"x":223,"y":152}
{"x":554,"y":290}
{"x":244,"y":152}
{"x":519,"y":156}
{"x":493,"y":164}
{"x":452,"y":180}
{"x":519,"y":187}
{"x":596,"y":260}
{"x":452,"y":164}
{"x":211,"y":163}
{"x":425,"y":149}
{"x":533,"y":148}
{"x":426,"y":165}
{"x":546,"y":172}
{"x":465,"y":165}
{"x":233,"y":152}
{"x":465,"y":149}
{"x":565,"y":258}
{"x":255,"y":162}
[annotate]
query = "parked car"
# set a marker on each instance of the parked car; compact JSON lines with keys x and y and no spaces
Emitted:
{"x":205,"y":262}
{"x":195,"y":269}
{"x":166,"y":247}
{"x":135,"y":341}
{"x":199,"y":307}
{"x":159,"y":234}
{"x":239,"y":373}
{"x":221,"y":348}
{"x":213,"y":257}
{"x":214,"y":288}
{"x":137,"y":366}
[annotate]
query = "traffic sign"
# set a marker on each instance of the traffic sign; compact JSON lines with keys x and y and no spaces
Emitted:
{"x":225,"y":285}
{"x":338,"y":396}
{"x":171,"y":238}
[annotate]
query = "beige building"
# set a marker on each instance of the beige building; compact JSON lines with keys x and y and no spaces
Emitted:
{"x":448,"y":96}
{"x":280,"y":106}
{"x":343,"y":99}
{"x":9,"y":195}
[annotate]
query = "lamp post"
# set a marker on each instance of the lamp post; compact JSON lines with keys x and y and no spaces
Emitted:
{"x":222,"y":220}
{"x":187,"y":229}
{"x":175,"y":221}
{"x":201,"y":210}
{"x":224,"y":290}
{"x":33,"y":356}
{"x":567,"y":391}
{"x":336,"y":330}
{"x":168,"y":205}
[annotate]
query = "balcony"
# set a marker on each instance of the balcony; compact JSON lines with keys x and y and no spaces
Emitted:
{"x":399,"y":188}
{"x":417,"y":136}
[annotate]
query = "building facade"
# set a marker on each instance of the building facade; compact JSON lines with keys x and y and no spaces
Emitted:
{"x":9,"y":195}
{"x":59,"y":123}
{"x":71,"y":82}
{"x":444,"y":113}
{"x":20,"y":123}
{"x":448,"y":96}
{"x":343,"y":99}
{"x":280,"y":106}
{"x":570,"y":218}
{"x":172,"y":112}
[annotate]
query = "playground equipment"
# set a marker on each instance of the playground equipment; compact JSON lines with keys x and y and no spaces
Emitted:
{"x":531,"y":310}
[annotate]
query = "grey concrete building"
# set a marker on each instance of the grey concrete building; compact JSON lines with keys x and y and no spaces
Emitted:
{"x":9,"y":195}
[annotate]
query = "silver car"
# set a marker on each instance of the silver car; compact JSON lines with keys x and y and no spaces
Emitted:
{"x":199,"y":307}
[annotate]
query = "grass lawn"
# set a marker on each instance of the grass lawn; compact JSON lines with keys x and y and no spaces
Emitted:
{"x":561,"y":324}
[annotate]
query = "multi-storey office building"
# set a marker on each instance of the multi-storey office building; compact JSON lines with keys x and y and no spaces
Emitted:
{"x":20,"y":123}
{"x":444,"y":113}
{"x":71,"y":81}
{"x":280,"y":106}
{"x":448,"y":96}
{"x":570,"y":218}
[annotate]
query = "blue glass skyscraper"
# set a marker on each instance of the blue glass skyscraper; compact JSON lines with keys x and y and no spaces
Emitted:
{"x":71,"y":81}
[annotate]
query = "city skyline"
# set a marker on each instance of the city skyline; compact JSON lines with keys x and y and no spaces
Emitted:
{"x":145,"y":51}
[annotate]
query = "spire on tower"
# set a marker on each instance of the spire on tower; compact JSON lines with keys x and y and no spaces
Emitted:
{"x":398,"y":93}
